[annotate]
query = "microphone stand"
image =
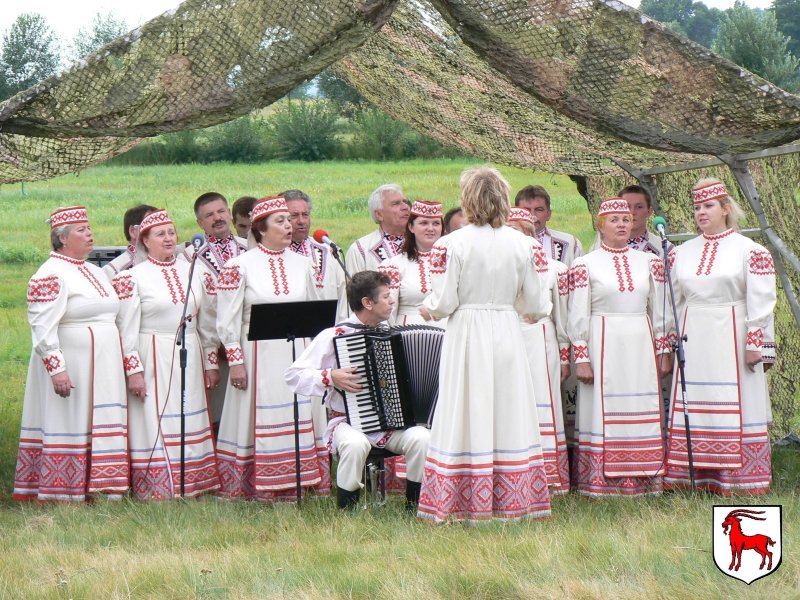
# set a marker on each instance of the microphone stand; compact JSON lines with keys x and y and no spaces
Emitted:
{"x":337,"y":254}
{"x":680,"y":356}
{"x":183,"y":357}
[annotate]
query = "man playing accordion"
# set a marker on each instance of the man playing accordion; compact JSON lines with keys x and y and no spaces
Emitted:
{"x":316,"y":373}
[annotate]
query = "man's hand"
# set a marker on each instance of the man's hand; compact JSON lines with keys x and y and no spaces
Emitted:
{"x":346,"y":379}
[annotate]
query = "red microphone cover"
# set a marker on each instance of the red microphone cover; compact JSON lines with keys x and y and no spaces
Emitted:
{"x":319,"y":234}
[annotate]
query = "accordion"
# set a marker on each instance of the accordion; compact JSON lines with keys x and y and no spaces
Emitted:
{"x":400,"y":376}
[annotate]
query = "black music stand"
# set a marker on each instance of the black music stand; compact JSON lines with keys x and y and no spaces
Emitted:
{"x":289,"y":321}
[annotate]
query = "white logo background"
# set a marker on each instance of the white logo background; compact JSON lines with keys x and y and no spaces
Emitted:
{"x":751,"y":560}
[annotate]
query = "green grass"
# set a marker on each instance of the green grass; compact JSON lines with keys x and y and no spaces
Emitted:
{"x":654,"y":548}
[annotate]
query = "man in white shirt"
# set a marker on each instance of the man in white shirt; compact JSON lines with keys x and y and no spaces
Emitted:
{"x":558,"y":245}
{"x":315,"y":373}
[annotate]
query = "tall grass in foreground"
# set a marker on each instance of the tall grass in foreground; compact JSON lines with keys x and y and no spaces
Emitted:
{"x":652,"y":548}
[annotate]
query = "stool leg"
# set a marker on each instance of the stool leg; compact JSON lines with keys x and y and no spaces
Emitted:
{"x":382,"y":475}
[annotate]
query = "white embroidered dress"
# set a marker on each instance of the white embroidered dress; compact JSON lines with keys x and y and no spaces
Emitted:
{"x":411,"y":284}
{"x":74,"y":446}
{"x":547,"y":348}
{"x":725,"y":289}
{"x":151,"y":296}
{"x":256,"y":446}
{"x":485,"y":458}
{"x":617,"y":324}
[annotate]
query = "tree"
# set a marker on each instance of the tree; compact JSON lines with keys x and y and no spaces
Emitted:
{"x":704,"y":24}
{"x":752,"y":40}
{"x":668,"y":11}
{"x":691,"y":19}
{"x":104,"y":30}
{"x":787,"y":14}
{"x":338,"y":91}
{"x":29,"y":54}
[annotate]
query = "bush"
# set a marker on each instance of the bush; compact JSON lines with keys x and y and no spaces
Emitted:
{"x":305,"y":130}
{"x":378,"y":136}
{"x":243,"y":140}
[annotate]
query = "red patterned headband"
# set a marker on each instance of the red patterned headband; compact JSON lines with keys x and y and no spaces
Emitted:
{"x":430,"y":210}
{"x":711,"y":191}
{"x":517,"y":213}
{"x":614,"y":206}
{"x":159,"y":217}
{"x":266,"y":206}
{"x":70,"y":215}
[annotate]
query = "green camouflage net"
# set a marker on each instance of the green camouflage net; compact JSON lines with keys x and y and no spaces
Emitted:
{"x":778,"y":182}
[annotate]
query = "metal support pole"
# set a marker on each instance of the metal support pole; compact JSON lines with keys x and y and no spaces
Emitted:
{"x":779,"y":249}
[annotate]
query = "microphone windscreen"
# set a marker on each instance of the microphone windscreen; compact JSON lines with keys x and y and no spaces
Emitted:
{"x":319,"y":234}
{"x":660,"y":221}
{"x":198,"y":239}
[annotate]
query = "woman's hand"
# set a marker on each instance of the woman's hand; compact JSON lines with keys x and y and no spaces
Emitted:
{"x":136,"y":385}
{"x":346,"y":379}
{"x":425,"y":314}
{"x":62,"y":384}
{"x":584,"y":373}
{"x":211,"y":378}
{"x":665,"y":363}
{"x":752,"y":358}
{"x":565,"y":372}
{"x":238,"y":376}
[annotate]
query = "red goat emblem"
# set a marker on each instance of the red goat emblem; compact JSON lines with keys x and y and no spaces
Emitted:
{"x":763,"y":542}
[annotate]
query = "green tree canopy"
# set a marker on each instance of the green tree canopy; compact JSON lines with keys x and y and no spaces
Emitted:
{"x":787,"y":13}
{"x":30,"y":53}
{"x":695,"y":20}
{"x":105,"y":28}
{"x":751,"y":39}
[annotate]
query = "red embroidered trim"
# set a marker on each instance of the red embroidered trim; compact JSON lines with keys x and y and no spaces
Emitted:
{"x":719,"y":236}
{"x":274,"y":272}
{"x":564,"y":352}
{"x":44,"y":289}
{"x":208,"y":284}
{"x":123,"y":285}
{"x":234,"y":354}
{"x":266,"y":250}
{"x":423,"y":276}
{"x":393,"y":273}
{"x":755,"y":338}
{"x":325,"y":381}
{"x":213,"y":358}
{"x":69,"y":216}
{"x":580,"y":351}
{"x":51,"y":363}
{"x":563,"y":283}
{"x":338,"y":331}
{"x":540,"y":260}
{"x":158,"y":263}
{"x":73,"y":261}
{"x":657,"y":269}
{"x":168,"y":277}
{"x":438,"y":260}
{"x":578,"y":277}
{"x":761,"y":263}
{"x":710,"y":258}
{"x":230,"y":278}
{"x":614,"y":250}
{"x":93,"y":280}
{"x":131,"y":363}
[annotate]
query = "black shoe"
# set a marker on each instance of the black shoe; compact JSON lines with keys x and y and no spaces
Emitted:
{"x":412,"y":495}
{"x":345,"y":499}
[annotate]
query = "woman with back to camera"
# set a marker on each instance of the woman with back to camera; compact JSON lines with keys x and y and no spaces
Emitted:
{"x":256,"y":445}
{"x":485,"y":459}
{"x":620,"y":336}
{"x":73,"y":440}
{"x":725,"y":290}
{"x":547,"y":348}
{"x":152,"y":295}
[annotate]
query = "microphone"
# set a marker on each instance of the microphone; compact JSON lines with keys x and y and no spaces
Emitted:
{"x":321,"y":237}
{"x":661,"y":226}
{"x":198,"y":239}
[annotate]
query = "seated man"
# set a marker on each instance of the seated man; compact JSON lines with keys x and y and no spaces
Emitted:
{"x":315,"y":373}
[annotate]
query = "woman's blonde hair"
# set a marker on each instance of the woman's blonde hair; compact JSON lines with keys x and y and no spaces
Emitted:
{"x":735,"y":212}
{"x":525,"y":226}
{"x":484,"y":196}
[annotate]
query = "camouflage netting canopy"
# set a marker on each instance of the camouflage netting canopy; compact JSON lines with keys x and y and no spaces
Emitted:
{"x":588,"y":88}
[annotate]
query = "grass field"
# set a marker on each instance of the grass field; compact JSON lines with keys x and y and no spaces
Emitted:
{"x":654,"y":548}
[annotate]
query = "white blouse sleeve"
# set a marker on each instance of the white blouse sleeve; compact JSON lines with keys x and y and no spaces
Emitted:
{"x":207,"y":319}
{"x":391,"y":270}
{"x":445,"y":274}
{"x":580,"y":310}
{"x":761,"y":298}
{"x":309,"y":375}
{"x":230,"y":306}
{"x":560,"y":312}
{"x":659,"y":311}
{"x":47,"y":303}
{"x":129,"y":320}
{"x":536,"y":301}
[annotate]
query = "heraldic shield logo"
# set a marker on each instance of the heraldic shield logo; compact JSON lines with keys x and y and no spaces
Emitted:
{"x":747,"y":540}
